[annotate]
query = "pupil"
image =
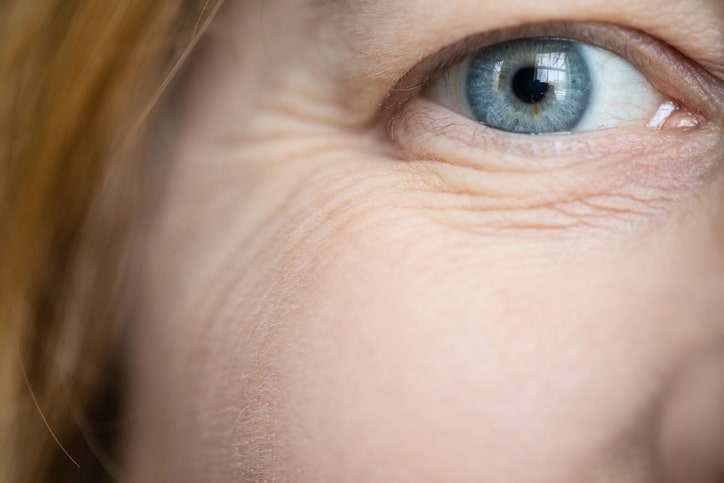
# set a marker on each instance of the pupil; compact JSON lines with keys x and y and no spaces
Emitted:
{"x":527,"y":88}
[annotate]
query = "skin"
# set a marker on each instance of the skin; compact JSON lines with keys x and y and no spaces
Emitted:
{"x":332,"y":294}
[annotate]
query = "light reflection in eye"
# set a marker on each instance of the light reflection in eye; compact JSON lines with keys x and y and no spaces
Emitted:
{"x":551,"y":69}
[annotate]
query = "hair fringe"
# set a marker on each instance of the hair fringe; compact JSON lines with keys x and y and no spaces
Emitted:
{"x":82,"y":81}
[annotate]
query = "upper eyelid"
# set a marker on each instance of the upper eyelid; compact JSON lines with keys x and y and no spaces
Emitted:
{"x":669,"y":71}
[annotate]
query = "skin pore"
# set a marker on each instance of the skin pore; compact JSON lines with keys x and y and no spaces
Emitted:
{"x":346,"y":283}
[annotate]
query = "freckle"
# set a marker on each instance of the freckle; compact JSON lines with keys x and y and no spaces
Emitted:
{"x":536,"y":109}
{"x":501,"y":82}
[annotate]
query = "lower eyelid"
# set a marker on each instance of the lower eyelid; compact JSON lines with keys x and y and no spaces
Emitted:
{"x":674,"y":160}
{"x":632,"y":162}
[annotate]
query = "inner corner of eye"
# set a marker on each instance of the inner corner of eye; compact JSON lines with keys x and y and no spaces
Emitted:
{"x":670,"y":115}
{"x":541,"y":85}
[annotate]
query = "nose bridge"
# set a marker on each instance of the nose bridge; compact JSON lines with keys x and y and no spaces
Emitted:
{"x":691,"y":422}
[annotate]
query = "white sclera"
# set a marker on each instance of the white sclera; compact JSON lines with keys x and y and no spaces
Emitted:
{"x":620,"y":95}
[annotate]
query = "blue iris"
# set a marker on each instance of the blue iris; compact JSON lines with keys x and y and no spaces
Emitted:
{"x":535,"y":86}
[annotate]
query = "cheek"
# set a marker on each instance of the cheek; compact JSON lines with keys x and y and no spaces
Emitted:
{"x":347,"y":336}
{"x":420,"y":355}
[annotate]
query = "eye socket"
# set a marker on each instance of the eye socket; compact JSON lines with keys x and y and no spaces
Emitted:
{"x":544,"y":85}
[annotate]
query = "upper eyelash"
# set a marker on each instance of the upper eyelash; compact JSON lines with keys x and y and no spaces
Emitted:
{"x":436,"y":65}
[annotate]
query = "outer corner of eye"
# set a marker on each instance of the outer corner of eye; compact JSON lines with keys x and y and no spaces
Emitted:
{"x":544,"y":85}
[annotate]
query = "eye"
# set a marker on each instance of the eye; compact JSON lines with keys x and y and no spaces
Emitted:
{"x":546,"y":85}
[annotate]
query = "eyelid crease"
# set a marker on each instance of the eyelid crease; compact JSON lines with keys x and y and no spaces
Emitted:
{"x":669,"y":71}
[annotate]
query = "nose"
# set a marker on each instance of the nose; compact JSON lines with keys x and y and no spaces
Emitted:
{"x":691,"y":431}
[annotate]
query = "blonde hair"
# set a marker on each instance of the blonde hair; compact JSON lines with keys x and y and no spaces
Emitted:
{"x":80,"y":79}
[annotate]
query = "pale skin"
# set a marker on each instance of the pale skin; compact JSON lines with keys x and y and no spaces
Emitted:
{"x":331,"y":294}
